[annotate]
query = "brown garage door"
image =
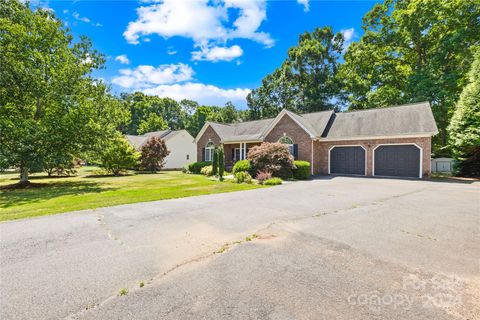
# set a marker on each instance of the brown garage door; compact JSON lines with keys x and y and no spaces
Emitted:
{"x":397,"y":161}
{"x":347,"y":160}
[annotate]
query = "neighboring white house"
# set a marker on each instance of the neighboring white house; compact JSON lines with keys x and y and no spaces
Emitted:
{"x":442,"y":165}
{"x":182,"y":148}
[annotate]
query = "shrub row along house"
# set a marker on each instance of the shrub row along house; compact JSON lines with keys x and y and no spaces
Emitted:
{"x":394,"y":141}
{"x":180,"y":144}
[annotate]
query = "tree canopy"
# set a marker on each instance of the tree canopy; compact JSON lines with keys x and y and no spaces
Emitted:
{"x":464,"y":128}
{"x":306,"y":81}
{"x":51,"y":108}
{"x":413,"y":51}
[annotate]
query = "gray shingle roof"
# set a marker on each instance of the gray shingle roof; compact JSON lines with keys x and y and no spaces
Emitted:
{"x":138,"y":141}
{"x":411,"y":119}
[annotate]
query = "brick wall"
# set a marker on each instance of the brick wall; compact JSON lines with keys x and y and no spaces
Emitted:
{"x":208,"y":135}
{"x":290,"y":128}
{"x":320,"y":165}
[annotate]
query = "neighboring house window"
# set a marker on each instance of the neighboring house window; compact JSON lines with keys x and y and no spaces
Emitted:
{"x":188,"y":157}
{"x":209,"y":151}
{"x":288,"y":141}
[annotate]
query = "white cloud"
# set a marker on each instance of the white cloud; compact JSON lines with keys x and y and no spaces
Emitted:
{"x":123,"y":59}
{"x":305,"y":4}
{"x":144,"y":76}
{"x":203,"y":93}
{"x":217,"y":53}
{"x":171,"y":51}
{"x":348,"y":35}
{"x":205,"y":22}
{"x":77,"y":16}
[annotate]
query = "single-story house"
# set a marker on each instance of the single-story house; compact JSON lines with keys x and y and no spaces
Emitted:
{"x":181,"y":144}
{"x":394,"y":141}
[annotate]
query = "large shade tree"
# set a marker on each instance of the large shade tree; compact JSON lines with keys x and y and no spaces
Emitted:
{"x":465,"y":124}
{"x":411,"y":51}
{"x":50,"y":105}
{"x":306,"y":81}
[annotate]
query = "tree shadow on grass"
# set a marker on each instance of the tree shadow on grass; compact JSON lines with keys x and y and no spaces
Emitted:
{"x":45,"y":191}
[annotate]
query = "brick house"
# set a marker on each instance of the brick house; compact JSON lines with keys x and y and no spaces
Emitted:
{"x":394,"y":141}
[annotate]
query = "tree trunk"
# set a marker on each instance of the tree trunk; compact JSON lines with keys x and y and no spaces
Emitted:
{"x":24,"y":175}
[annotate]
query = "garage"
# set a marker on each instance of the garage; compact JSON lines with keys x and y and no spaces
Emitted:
{"x":349,"y":160}
{"x":397,"y":161}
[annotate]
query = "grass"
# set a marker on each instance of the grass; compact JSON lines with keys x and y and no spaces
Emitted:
{"x":87,"y":191}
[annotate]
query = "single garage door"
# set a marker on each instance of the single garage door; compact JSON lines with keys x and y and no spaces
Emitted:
{"x":397,"y":161}
{"x":347,"y":160}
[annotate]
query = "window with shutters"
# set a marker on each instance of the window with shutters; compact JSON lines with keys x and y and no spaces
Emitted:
{"x":289,"y":142}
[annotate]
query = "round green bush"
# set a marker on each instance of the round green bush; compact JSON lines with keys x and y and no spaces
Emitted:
{"x":301,"y":170}
{"x":243,"y":166}
{"x":272,"y":182}
{"x":196,"y":167}
{"x":243,"y":177}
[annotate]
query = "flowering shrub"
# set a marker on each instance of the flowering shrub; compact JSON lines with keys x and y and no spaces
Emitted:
{"x":262,"y":176}
{"x":207,"y":170}
{"x":272,"y":157}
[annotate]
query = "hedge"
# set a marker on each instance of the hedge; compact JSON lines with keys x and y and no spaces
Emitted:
{"x":196,"y":167}
{"x":301,"y":170}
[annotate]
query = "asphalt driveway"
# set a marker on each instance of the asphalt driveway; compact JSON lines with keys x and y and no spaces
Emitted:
{"x":351,"y":248}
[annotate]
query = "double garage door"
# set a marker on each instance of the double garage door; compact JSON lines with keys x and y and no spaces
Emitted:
{"x":389,"y":160}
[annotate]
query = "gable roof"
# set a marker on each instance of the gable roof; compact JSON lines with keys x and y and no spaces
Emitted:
{"x":313,"y":123}
{"x":138,"y":141}
{"x":405,"y":120}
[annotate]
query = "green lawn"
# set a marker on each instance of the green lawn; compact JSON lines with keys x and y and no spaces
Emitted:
{"x":86,"y":191}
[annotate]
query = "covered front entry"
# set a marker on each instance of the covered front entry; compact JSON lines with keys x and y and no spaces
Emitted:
{"x":348,"y":160}
{"x":397,"y":161}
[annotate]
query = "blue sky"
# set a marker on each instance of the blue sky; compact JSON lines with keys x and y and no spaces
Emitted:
{"x":209,"y":51}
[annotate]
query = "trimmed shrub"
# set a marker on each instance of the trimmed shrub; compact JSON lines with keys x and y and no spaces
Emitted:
{"x":273,"y":182}
{"x":262,"y":176}
{"x":221,"y":163}
{"x":196,"y":167}
{"x":207,"y":170}
{"x":215,"y":162}
{"x":272,"y":157}
{"x":242,"y":176}
{"x":301,"y":170}
{"x":242,"y":166}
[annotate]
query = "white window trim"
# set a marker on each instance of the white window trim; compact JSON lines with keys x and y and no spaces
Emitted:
{"x":420,"y":174}
{"x":207,"y":151}
{"x":349,"y":145}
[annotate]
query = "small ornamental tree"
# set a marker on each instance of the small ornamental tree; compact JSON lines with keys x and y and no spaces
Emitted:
{"x":221,"y":163}
{"x":215,"y":162}
{"x":154,"y":152}
{"x":119,"y":156}
{"x":272,"y":157}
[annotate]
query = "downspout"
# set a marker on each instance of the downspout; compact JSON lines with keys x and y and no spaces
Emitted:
{"x":311,"y":166}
